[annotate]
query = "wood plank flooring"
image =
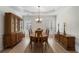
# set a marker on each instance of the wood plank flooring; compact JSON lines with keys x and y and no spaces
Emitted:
{"x":24,"y":47}
{"x":38,"y":48}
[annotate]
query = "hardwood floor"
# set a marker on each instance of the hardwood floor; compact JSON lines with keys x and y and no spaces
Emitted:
{"x":39,"y":48}
{"x":23,"y":47}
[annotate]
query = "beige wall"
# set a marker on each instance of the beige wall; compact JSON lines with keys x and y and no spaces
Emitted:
{"x":2,"y":11}
{"x":1,"y":30}
{"x":70,"y":15}
{"x":46,"y":22}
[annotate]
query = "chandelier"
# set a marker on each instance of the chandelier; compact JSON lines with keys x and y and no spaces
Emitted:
{"x":38,"y":19}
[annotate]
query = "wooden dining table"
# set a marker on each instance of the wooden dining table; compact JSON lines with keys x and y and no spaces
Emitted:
{"x":39,"y":40}
{"x":43,"y":37}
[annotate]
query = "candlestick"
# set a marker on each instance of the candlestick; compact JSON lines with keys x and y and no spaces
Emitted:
{"x":64,"y":28}
{"x":58,"y":29}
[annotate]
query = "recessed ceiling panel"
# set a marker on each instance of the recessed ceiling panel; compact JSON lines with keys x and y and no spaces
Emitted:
{"x":42,"y":8}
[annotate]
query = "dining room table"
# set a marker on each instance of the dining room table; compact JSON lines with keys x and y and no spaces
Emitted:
{"x":43,"y":37}
{"x":39,"y":40}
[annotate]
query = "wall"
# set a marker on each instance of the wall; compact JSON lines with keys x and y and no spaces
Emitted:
{"x":47,"y":22}
{"x":70,"y":15}
{"x":1,"y":29}
{"x":2,"y":11}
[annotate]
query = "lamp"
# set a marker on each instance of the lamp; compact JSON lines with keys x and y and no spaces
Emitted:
{"x":38,"y":19}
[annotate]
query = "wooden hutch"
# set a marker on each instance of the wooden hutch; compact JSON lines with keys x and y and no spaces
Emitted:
{"x":67,"y":41}
{"x":12,"y":30}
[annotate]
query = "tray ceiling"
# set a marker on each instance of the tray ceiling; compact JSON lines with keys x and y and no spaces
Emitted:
{"x":35,"y":9}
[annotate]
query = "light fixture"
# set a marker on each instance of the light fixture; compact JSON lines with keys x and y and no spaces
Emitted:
{"x":38,"y":19}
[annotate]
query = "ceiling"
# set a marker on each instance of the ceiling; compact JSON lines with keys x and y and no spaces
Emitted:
{"x":35,"y":9}
{"x":42,"y":8}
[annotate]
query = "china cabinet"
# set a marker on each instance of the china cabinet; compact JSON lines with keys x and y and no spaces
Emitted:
{"x":12,"y":30}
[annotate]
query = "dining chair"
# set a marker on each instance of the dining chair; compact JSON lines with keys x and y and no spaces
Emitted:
{"x":47,"y":32}
{"x":38,"y":33}
{"x":30,"y":32}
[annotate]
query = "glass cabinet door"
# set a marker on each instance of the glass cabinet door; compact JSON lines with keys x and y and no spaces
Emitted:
{"x":12,"y":24}
{"x":16,"y":25}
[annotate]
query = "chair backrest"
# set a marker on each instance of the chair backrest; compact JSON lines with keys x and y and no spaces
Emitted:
{"x":38,"y":33}
{"x":47,"y":31}
{"x":30,"y":31}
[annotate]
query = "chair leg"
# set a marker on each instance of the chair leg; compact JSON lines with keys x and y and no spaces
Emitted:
{"x":45,"y":46}
{"x":42,"y":47}
{"x":31,"y":45}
